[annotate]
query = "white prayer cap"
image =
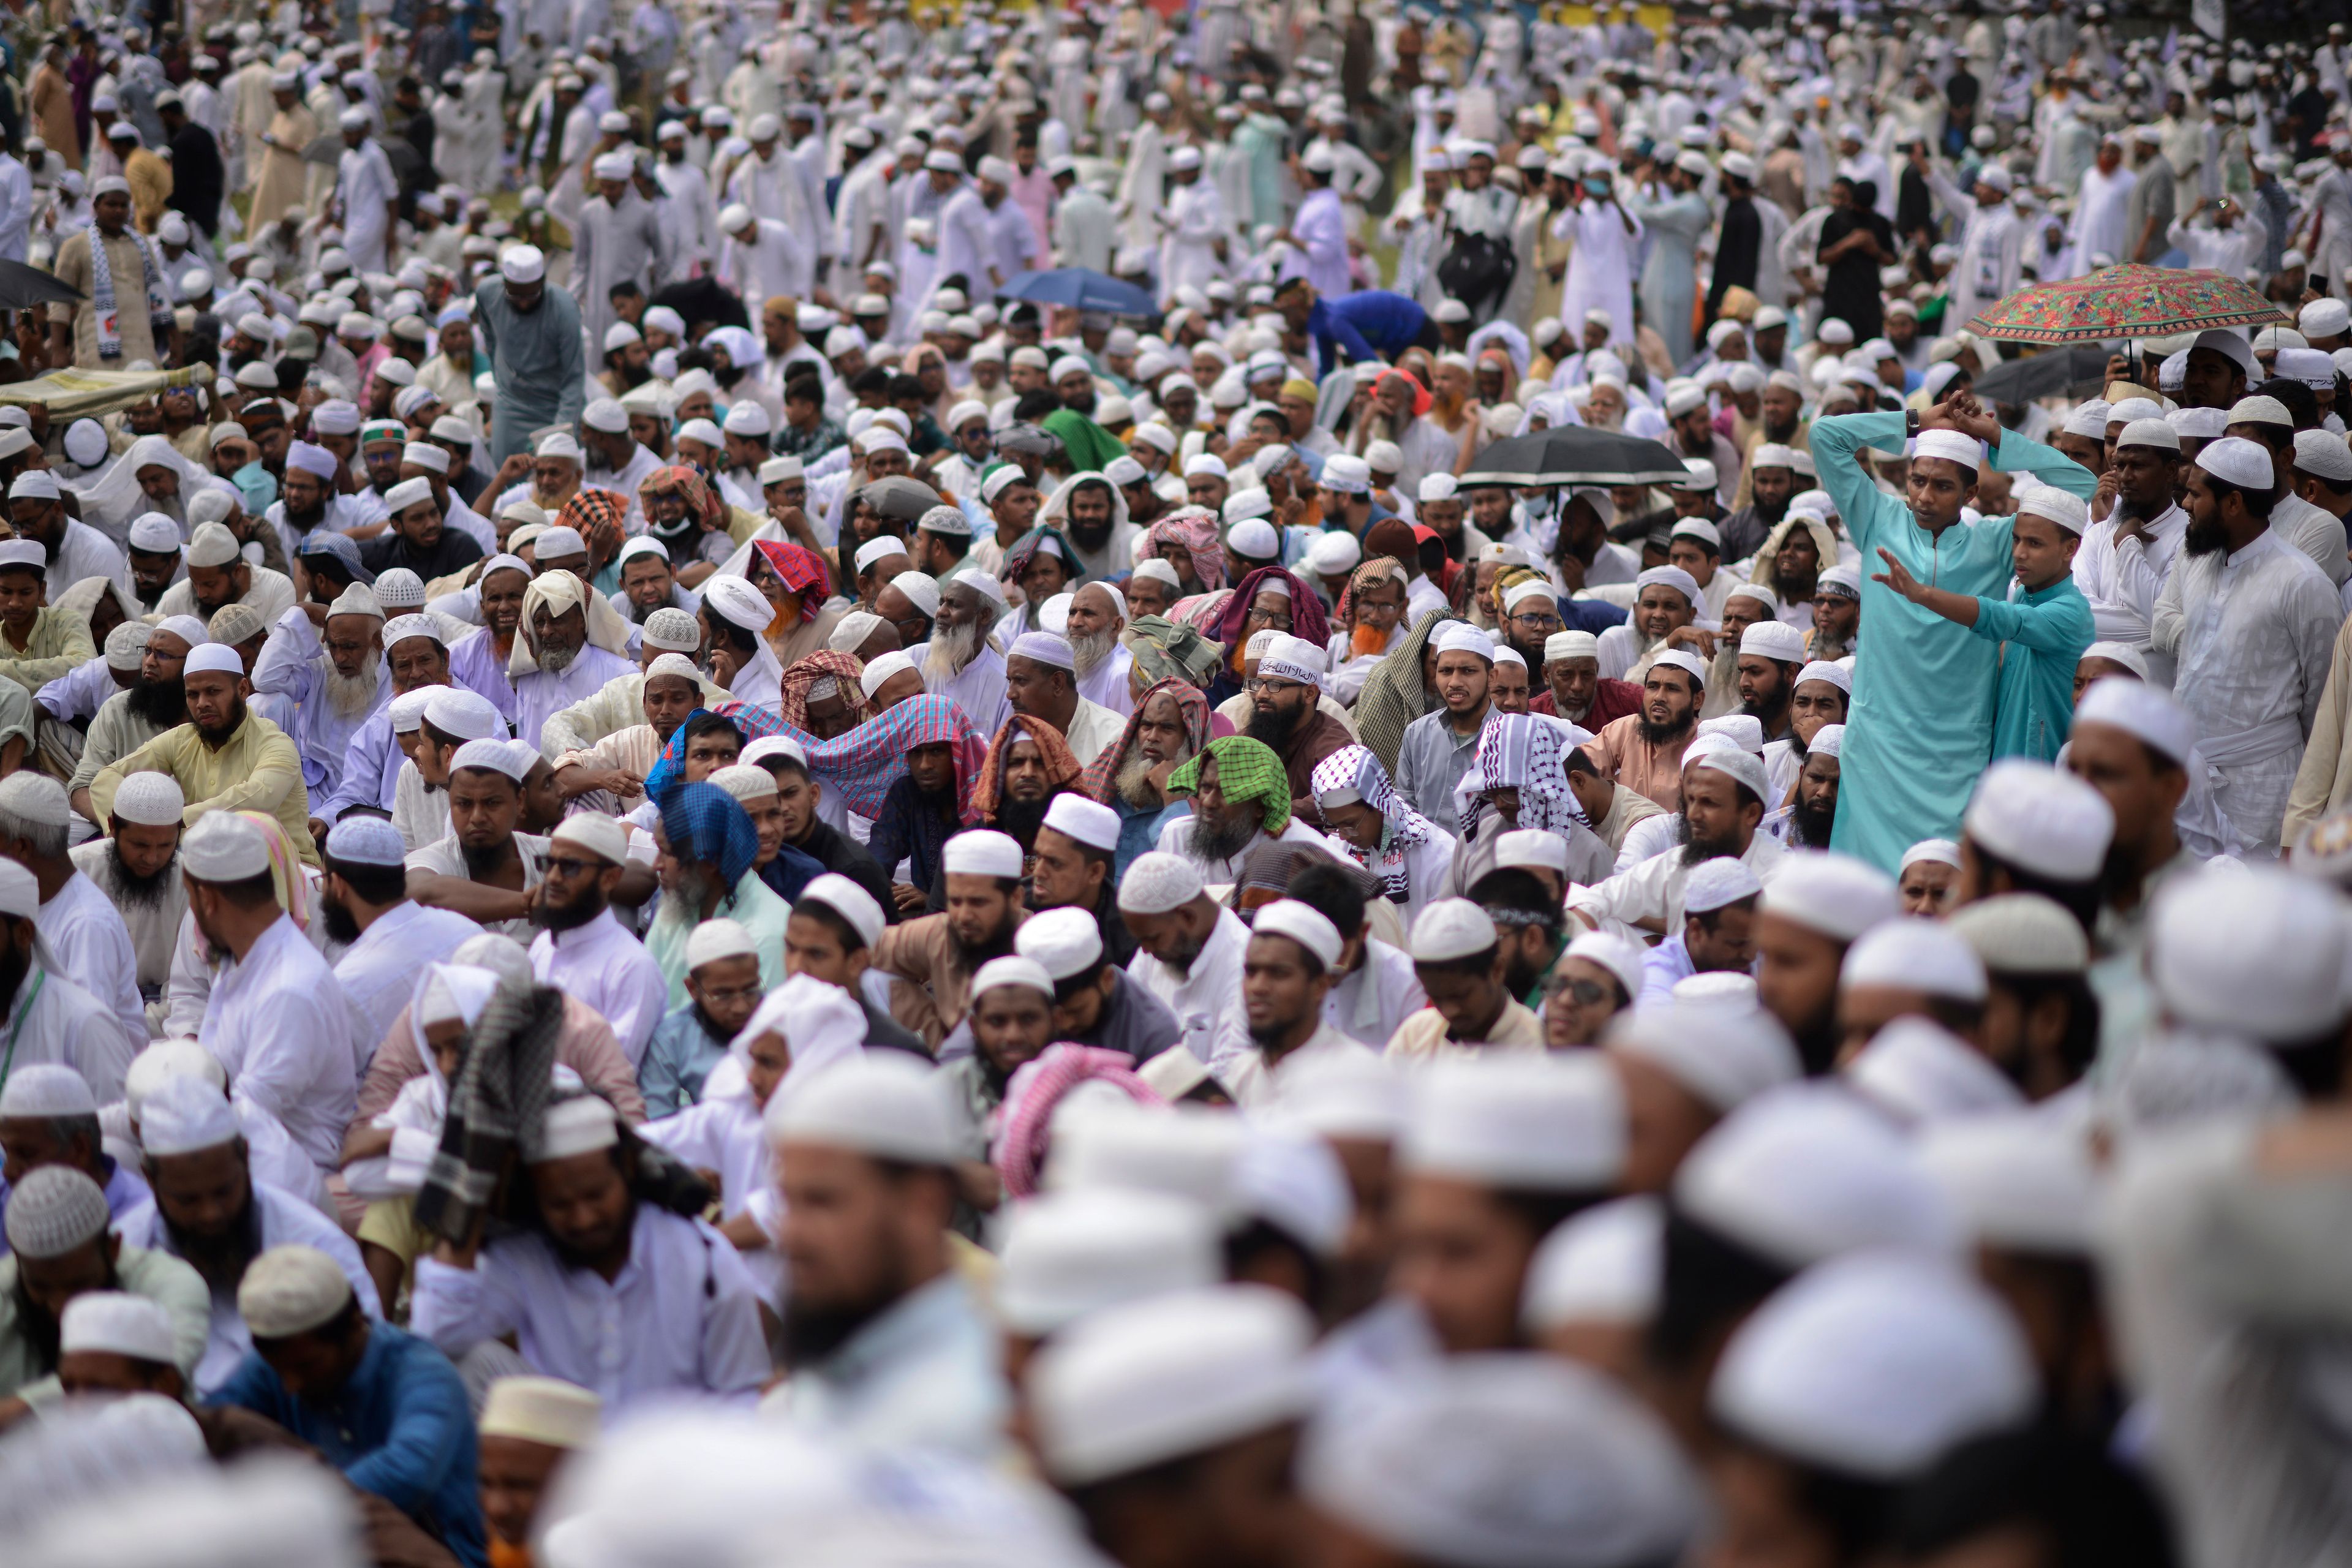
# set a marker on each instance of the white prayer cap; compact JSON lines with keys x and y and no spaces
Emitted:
{"x":1043,"y":647}
{"x":1755,"y":591}
{"x":2023,"y":934}
{"x":468,"y":715}
{"x":54,"y":1209}
{"x":164,"y":1060}
{"x":981,"y":852}
{"x":1067,"y":1255}
{"x":1685,"y":661}
{"x":714,"y":939}
{"x":2238,"y":461}
{"x":397,"y":499}
{"x":152,"y":533}
{"x":879,"y":548}
{"x":735,"y":600}
{"x":1697,"y":528}
{"x":981,"y":583}
{"x":1684,"y":398}
{"x":745,"y":782}
{"x":2068,"y":510}
{"x":600,"y":836}
{"x":1950,"y":444}
{"x":1724,"y":1054}
{"x":37,"y":484}
{"x":523,"y":264}
{"x":400,"y":628}
{"x":2324,"y":319}
{"x":883,"y":1105}
{"x":1503,"y":1461}
{"x":183,"y":1115}
{"x":1014,"y":970}
{"x":561,"y":444}
{"x":583,"y":1124}
{"x":1136,"y":1384}
{"x":1551,"y":1123}
{"x":1921,"y":1072}
{"x":1807,"y":1172}
{"x":493,"y":757}
{"x":46,"y":1090}
{"x":2041,"y":819}
{"x":2089,"y":419}
{"x":35,"y":798}
{"x":1713,"y":884}
{"x":223,"y":847}
{"x":1570,"y":645}
{"x":746,"y":418}
{"x":1529,"y":847}
{"x":210,"y":545}
{"x":1518,"y":593}
{"x":2251,"y":952}
{"x":2158,"y":433}
{"x":1914,"y":955}
{"x":2151,"y":714}
{"x":1614,"y":953}
{"x":1726,"y":756}
{"x":2131,"y":409}
{"x":1302,"y":924}
{"x":2019,"y":1181}
{"x":1822,"y":670}
{"x":1875,"y":1367}
{"x":1775,"y":641}
{"x":543,"y":1410}
{"x":1603,"y":1264}
{"x":1158,"y":882}
{"x":611,"y":166}
{"x":1449,"y":929}
{"x":290,"y":1290}
{"x":1698,"y":473}
{"x":2324,"y":453}
{"x":1349,"y":1094}
{"x":116,"y":1322}
{"x":880,"y":670}
{"x":1461,"y":636}
{"x":2259,"y":409}
{"x":1061,"y":943}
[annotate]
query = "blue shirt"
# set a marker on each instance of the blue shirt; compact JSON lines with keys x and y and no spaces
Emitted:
{"x":2045,"y":634}
{"x":678,"y":1059}
{"x":1369,"y":324}
{"x":399,"y":1428}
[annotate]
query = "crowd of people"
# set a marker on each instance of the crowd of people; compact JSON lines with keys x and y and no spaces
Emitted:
{"x":830,"y":786}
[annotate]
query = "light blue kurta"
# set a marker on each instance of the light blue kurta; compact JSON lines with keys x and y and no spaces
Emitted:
{"x":1919,"y":729}
{"x":2044,"y":635}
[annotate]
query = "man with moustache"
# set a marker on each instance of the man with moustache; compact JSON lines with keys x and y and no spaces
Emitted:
{"x":1437,"y":747}
{"x":131,"y":718}
{"x":136,"y":864}
{"x":1098,"y":527}
{"x":1811,"y":812}
{"x":387,"y":937}
{"x":1287,"y":714}
{"x":206,"y":1208}
{"x":415,"y":658}
{"x":958,"y":662}
{"x":944,"y":952}
{"x":1643,"y":749}
{"x":2127,"y":552}
{"x":225,"y":757}
{"x":1097,"y":614}
{"x":328,"y":661}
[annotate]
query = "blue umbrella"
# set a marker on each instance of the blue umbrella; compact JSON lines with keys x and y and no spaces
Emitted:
{"x":1080,"y":288}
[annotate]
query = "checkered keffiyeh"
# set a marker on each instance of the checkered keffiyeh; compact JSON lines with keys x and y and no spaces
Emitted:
{"x":1101,"y":779}
{"x":1246,"y":770}
{"x":1355,"y":768}
{"x":703,"y":822}
{"x":792,"y":705}
{"x":1027,"y":1115}
{"x":1061,"y":764}
{"x":598,"y":515}
{"x":1520,"y":752}
{"x":861,"y":767}
{"x":800,"y":569}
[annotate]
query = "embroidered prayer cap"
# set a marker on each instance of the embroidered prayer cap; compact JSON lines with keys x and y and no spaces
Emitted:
{"x":602,"y":837}
{"x":356,"y":840}
{"x":290,"y":1290}
{"x":745,"y":781}
{"x":2041,"y":819}
{"x":1603,"y":1264}
{"x":1546,"y":1123}
{"x":1726,"y":1053}
{"x":673,"y":629}
{"x":1158,"y":882}
{"x":1293,"y":660}
{"x":46,"y":1090}
{"x":543,"y":1410}
{"x":183,"y":1115}
{"x":2323,"y":453}
{"x":881,"y":1105}
{"x":223,"y":847}
{"x":35,"y":798}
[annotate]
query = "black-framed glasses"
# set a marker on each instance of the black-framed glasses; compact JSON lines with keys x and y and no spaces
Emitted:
{"x":1583,"y":993}
{"x":1536,"y":623}
{"x":567,"y":866}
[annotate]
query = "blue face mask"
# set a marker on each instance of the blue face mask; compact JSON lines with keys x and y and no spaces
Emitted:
{"x":256,"y":485}
{"x":1597,"y":189}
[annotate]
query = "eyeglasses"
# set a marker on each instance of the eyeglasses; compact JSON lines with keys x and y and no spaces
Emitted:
{"x":565,"y":866}
{"x":1536,"y":623}
{"x":715,"y":998}
{"x":1583,"y":993}
{"x":1256,"y":684}
{"x":1279,"y":622}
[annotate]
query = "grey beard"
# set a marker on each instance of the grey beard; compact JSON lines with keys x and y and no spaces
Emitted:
{"x":555,"y":660}
{"x":352,"y":695}
{"x":173,"y":506}
{"x":952,"y":648}
{"x":1090,"y":651}
{"x":1135,"y":786}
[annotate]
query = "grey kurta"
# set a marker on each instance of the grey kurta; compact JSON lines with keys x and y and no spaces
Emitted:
{"x":539,"y":361}
{"x":609,"y":244}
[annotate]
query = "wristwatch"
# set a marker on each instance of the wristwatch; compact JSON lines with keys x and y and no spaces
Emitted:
{"x":1910,"y":423}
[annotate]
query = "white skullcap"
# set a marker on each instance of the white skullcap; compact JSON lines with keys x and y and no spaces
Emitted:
{"x":210,"y":545}
{"x":602,"y":837}
{"x":2142,"y":709}
{"x":879,"y":548}
{"x":1068,"y":1255}
{"x":2041,"y":818}
{"x":1723,"y":1054}
{"x":1531,"y":847}
{"x":215,"y":657}
{"x":116,"y":1322}
{"x":1158,"y":882}
{"x":183,"y":1115}
{"x":2325,"y":454}
{"x":1921,"y":1072}
{"x":1138,"y":1384}
{"x":2023,"y":934}
{"x":152,"y":533}
{"x":1013,"y":970}
{"x":1914,"y":955}
{"x":543,"y":1410}
{"x":1716,"y":883}
{"x":1503,"y":1461}
{"x":1205,"y":463}
{"x":1063,"y":943}
{"x":2088,"y":420}
{"x":1697,"y":528}
{"x":1775,"y":641}
{"x":1805,"y":1174}
{"x":35,"y":798}
{"x":468,"y":715}
{"x":1726,"y":756}
{"x":1822,"y":670}
{"x":1604,"y":1264}
{"x":1448,"y":929}
{"x":1614,"y":953}
{"x":881,"y":670}
{"x":1951,"y":445}
{"x":2260,"y":410}
{"x":2068,"y":510}
{"x":981,"y":852}
{"x":46,"y":1090}
{"x":2019,"y":1181}
{"x":1875,"y":1367}
{"x":1341,"y":1095}
{"x":2252,"y":953}
{"x":224,"y":847}
{"x":290,"y":1290}
{"x":2238,"y":461}
{"x":523,"y":264}
{"x":672,"y":629}
{"x":1570,"y":645}
{"x":494,"y":756}
{"x":745,"y":782}
{"x":1685,"y":661}
{"x":163,"y":1061}
{"x":2324,"y":319}
{"x":1302,"y":923}
{"x":1085,"y":821}
{"x":54,"y":1209}
{"x":718,"y":939}
{"x":882,"y":1105}
{"x":583,"y":1124}
{"x":356,"y":840}
{"x":1461,"y":636}
{"x":400,"y":628}
{"x":1518,"y":593}
{"x":1043,"y":647}
{"x":2158,"y":433}
{"x":850,"y":902}
{"x":1548,"y":1123}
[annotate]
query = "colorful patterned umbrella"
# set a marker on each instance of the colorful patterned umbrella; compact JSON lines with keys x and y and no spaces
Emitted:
{"x":2127,"y":302}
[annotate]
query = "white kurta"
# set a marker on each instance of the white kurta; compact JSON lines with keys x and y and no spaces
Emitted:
{"x":365,"y":185}
{"x":2100,"y":206}
{"x":378,"y":973}
{"x":2254,"y":632}
{"x":2122,"y":579}
{"x":1196,"y":222}
{"x":281,"y":1024}
{"x":1200,"y":997}
{"x":978,"y":688}
{"x":91,"y":947}
{"x":774,"y":262}
{"x":610,"y":970}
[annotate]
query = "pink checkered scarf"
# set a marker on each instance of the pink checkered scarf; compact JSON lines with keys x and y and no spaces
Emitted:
{"x":1026,"y":1118}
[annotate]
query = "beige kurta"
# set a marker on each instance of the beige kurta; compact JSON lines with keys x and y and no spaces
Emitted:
{"x":124,"y":260}
{"x":52,"y":106}
{"x":283,"y":173}
{"x":2324,"y":780}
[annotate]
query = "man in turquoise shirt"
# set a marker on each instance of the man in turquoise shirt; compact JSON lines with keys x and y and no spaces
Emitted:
{"x":2044,"y":628}
{"x":1920,"y":727}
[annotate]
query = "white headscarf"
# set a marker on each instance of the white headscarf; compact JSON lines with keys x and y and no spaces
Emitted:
{"x":822,"y":1024}
{"x":560,"y":591}
{"x":109,"y":504}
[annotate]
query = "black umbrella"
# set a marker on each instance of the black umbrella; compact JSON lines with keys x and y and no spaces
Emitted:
{"x":22,"y":288}
{"x":2071,"y":371}
{"x":1576,"y":455}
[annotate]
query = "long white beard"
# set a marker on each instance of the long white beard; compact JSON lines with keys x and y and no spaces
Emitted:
{"x":1090,"y":651}
{"x":350,"y":695}
{"x":952,"y":650}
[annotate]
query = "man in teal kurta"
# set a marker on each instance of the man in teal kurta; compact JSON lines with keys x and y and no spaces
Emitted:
{"x":2043,"y":625}
{"x":1920,"y":727}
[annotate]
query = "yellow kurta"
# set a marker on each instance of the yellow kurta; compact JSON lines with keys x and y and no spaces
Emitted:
{"x":256,"y":770}
{"x":151,"y":188}
{"x":61,"y":642}
{"x":283,"y":173}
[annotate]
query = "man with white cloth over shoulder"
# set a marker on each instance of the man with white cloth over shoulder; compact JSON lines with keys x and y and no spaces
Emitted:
{"x":2251,"y":623}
